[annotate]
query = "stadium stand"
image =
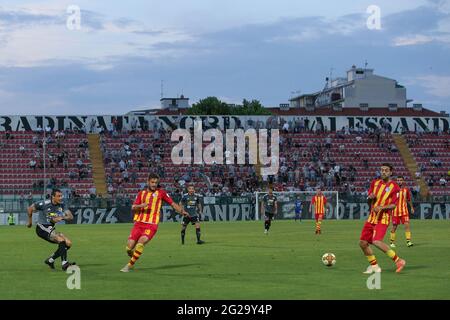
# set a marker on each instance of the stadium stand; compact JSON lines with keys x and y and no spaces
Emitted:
{"x":346,"y":161}
{"x":63,"y":151}
{"x":432,"y":153}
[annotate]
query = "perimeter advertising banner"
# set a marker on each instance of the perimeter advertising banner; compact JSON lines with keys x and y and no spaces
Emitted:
{"x":246,"y":211}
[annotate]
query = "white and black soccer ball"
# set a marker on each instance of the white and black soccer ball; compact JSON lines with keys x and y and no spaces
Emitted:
{"x":329,"y":259}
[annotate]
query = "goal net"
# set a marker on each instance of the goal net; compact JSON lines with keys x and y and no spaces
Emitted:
{"x":287,"y":200}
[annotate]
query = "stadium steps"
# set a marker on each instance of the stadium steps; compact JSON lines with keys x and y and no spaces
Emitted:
{"x":98,"y":168}
{"x":410,"y":162}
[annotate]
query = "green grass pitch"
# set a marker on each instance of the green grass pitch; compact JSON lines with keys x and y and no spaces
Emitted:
{"x":237,"y":262}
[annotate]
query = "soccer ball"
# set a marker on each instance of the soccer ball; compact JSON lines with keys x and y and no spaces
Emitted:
{"x":328,"y":259}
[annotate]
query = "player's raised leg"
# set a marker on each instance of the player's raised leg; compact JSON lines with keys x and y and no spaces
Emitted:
{"x":138,"y":250}
{"x":64,"y":244}
{"x":380,"y":231}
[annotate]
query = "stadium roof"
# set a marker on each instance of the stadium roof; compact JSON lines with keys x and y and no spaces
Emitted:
{"x":355,"y":112}
{"x":328,"y":111}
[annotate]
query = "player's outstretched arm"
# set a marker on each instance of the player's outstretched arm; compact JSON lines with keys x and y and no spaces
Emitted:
{"x":68,"y":216}
{"x":30,"y":210}
{"x":179,"y":209}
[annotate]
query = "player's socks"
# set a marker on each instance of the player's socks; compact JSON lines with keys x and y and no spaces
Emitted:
{"x":373,"y":267}
{"x":372,"y":260}
{"x":136,"y":255}
{"x":408,"y":236}
{"x":318,"y":226}
{"x":391,"y":254}
{"x":197,"y":232}
{"x":62,"y":248}
{"x":408,"y":239}
{"x":183,"y":234}
{"x":392,"y":237}
{"x":267,"y":225}
{"x":64,"y":254}
{"x":50,"y":262}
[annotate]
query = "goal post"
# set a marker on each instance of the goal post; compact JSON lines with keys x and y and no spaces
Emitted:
{"x":286,"y":204}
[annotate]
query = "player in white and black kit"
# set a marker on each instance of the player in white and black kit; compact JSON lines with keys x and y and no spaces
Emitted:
{"x":51,"y":212}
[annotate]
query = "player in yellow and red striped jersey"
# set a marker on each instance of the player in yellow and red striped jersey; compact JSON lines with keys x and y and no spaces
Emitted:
{"x":318,"y":201}
{"x":401,"y":214}
{"x":383,"y":198}
{"x":146,"y":210}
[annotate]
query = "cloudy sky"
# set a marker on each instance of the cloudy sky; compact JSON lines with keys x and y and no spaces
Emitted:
{"x":254,"y":49}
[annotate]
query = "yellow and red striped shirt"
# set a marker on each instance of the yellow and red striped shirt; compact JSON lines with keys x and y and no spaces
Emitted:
{"x":150,"y":214}
{"x":401,"y":210}
{"x":319,"y":204}
{"x":385,"y":194}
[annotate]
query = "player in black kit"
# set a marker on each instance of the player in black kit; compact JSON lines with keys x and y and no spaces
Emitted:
{"x":269,"y":209}
{"x":191,"y":202}
{"x":51,"y":212}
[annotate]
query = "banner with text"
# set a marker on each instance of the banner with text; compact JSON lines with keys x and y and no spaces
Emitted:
{"x":332,"y":123}
{"x":244,"y":210}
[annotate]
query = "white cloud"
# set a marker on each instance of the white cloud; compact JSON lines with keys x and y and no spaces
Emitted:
{"x":301,"y":36}
{"x":320,"y":27}
{"x":420,"y":39}
{"x":40,"y":44}
{"x":99,"y":66}
{"x":438,"y":86}
{"x":411,"y":40}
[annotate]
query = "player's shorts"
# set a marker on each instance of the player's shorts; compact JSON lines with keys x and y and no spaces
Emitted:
{"x":142,"y":229}
{"x":373,"y":232}
{"x":400,"y":220}
{"x":319,"y":216}
{"x":191,"y":219}
{"x":47,"y":232}
{"x":268,"y":216}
